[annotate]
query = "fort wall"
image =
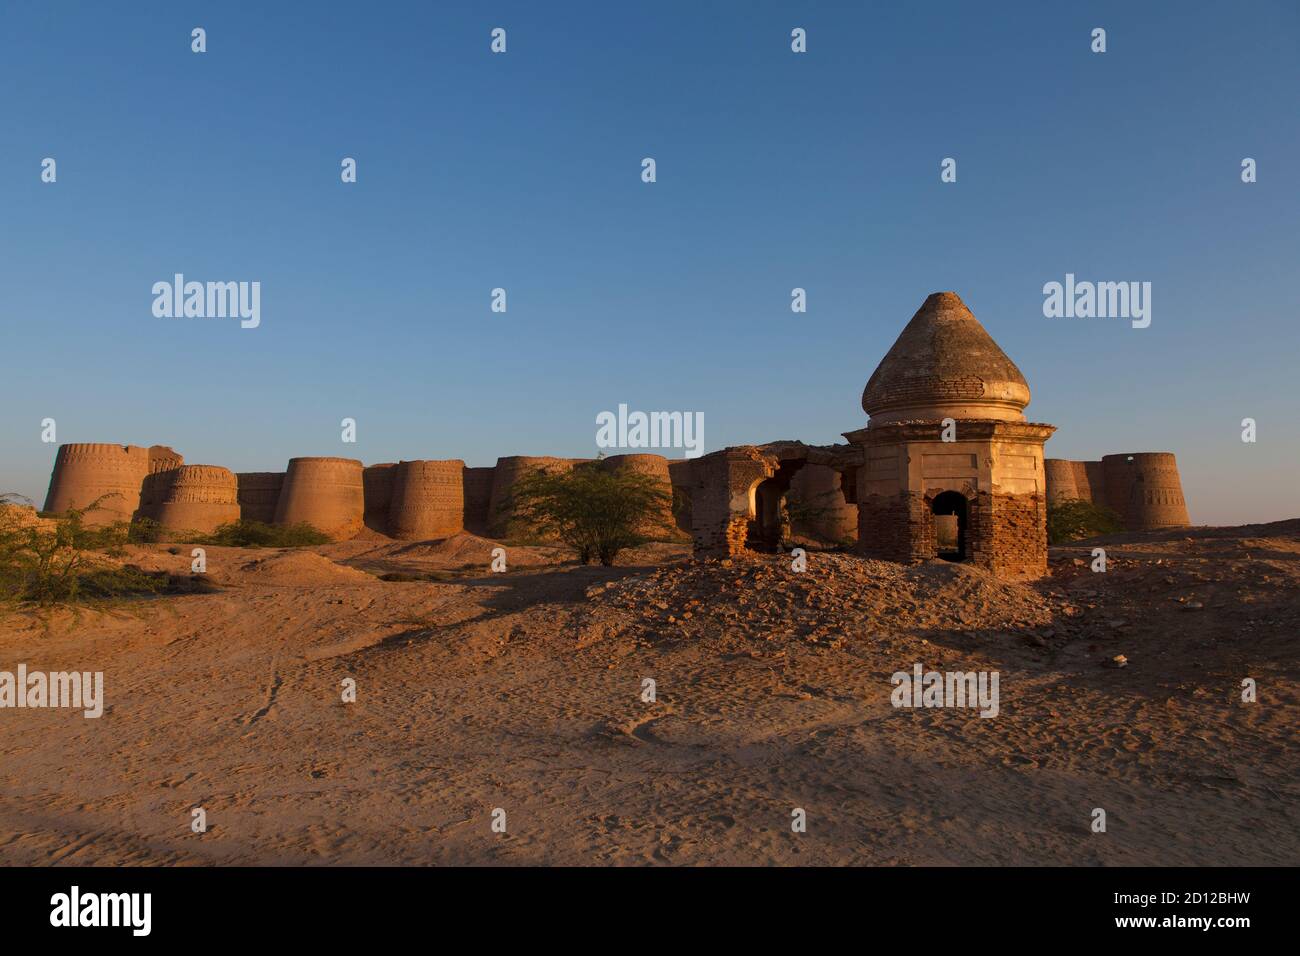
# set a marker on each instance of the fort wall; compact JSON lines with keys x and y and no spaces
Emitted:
{"x":1143,"y":488}
{"x":258,"y":493}
{"x":326,"y":493}
{"x":506,"y":475}
{"x":478,"y":498}
{"x":428,"y":500}
{"x":655,"y":467}
{"x":377,"y":490}
{"x":88,"y":471}
{"x":191,"y":498}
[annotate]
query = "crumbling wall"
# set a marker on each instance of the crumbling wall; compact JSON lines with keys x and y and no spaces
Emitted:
{"x":722,"y":485}
{"x":679,"y":475}
{"x":327,"y":493}
{"x":817,"y":506}
{"x":895,"y":527}
{"x":1014,"y":539}
{"x":428,"y":500}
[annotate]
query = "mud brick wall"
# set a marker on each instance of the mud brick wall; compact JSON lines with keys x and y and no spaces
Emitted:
{"x":327,"y":493}
{"x":816,"y":497}
{"x":893,"y":527}
{"x":720,"y":485}
{"x":478,"y":498}
{"x":86,"y":472}
{"x":1145,"y":489}
{"x":377,"y":490}
{"x":428,"y":500}
{"x":259,"y":494}
{"x":191,"y":498}
{"x":1015,"y":542}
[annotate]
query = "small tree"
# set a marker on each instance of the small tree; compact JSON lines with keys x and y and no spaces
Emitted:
{"x":49,"y":562}
{"x":597,"y":512}
{"x":1075,"y":518}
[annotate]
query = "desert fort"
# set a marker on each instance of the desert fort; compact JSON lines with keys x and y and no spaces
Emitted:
{"x":948,"y":465}
{"x":391,"y":695}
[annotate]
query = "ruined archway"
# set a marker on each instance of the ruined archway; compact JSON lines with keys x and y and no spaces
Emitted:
{"x":769,"y":520}
{"x":766,"y":515}
{"x":951,"y":526}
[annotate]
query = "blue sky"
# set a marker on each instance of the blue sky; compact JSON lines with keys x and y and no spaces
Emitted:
{"x":522,"y":171}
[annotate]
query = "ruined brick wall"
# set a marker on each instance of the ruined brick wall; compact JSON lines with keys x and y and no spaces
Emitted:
{"x":894,"y":527}
{"x":1014,"y":535}
{"x":817,"y":506}
{"x":1006,"y":534}
{"x":720,"y":490}
{"x":679,"y":475}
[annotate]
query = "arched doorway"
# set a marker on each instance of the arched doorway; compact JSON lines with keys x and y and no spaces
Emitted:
{"x":769,"y":522}
{"x":949,"y":510}
{"x":765,"y":525}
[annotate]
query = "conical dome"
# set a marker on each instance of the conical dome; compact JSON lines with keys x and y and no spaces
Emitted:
{"x":945,"y":365}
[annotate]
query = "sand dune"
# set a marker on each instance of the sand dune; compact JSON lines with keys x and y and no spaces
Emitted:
{"x":522,"y":691}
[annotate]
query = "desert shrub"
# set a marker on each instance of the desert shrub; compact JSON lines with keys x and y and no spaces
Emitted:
{"x":144,"y":531}
{"x":55,"y":565}
{"x":1074,"y":518}
{"x":258,"y":534}
{"x":597,"y":512}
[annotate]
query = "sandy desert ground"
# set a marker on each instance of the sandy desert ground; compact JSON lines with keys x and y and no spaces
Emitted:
{"x":522,"y":691}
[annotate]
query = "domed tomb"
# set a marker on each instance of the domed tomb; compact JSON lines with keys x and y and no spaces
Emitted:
{"x":945,"y":365}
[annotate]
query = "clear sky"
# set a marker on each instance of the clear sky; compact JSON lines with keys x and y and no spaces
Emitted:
{"x":523,"y":171}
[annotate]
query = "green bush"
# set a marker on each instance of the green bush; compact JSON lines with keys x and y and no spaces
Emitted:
{"x":144,"y":531}
{"x":1074,"y":519}
{"x":47,"y":566}
{"x":597,"y":512}
{"x":257,"y":534}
